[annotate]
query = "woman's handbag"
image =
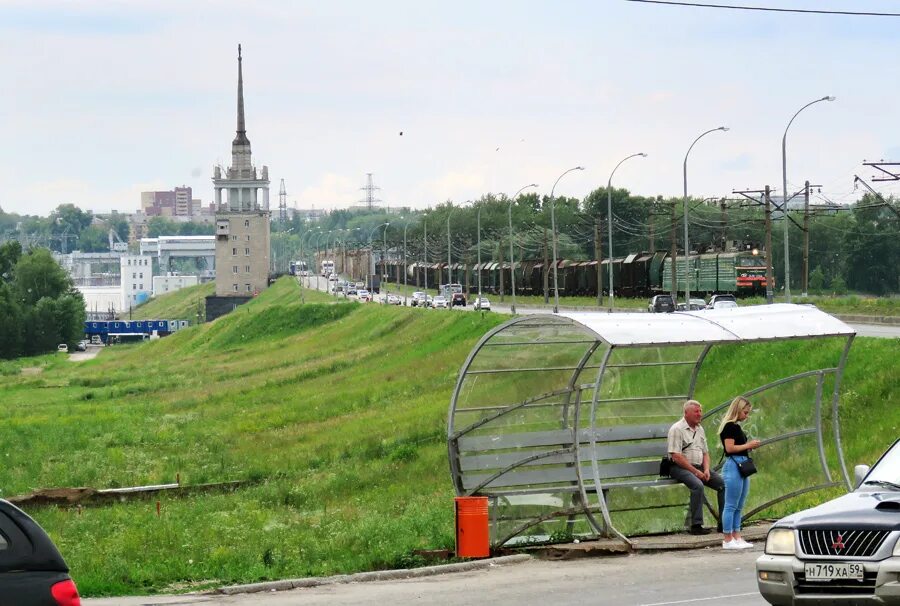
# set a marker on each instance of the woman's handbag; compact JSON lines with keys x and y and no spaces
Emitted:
{"x":746,"y":468}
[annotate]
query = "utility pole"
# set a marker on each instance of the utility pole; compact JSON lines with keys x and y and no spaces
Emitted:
{"x":804,"y":290}
{"x":724,"y":208}
{"x":652,"y":234}
{"x":500,"y":265}
{"x":767,"y":202}
{"x":546,"y":271}
{"x":770,"y":278}
{"x":370,"y":190}
{"x":673,"y":254}
{"x":598,"y":248}
{"x":282,"y":203}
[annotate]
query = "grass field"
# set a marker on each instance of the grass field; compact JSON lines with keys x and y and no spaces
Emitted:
{"x":336,"y":412}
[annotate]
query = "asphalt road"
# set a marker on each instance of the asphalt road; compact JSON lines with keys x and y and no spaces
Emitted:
{"x":863,"y":330}
{"x":684,"y":578}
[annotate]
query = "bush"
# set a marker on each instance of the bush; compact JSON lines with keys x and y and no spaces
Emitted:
{"x":839,"y":286}
{"x":817,"y":280}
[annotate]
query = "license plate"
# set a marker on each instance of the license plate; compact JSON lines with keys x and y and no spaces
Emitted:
{"x":830,"y":571}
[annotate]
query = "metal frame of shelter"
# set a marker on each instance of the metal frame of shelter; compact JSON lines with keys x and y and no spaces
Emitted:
{"x":565,"y":407}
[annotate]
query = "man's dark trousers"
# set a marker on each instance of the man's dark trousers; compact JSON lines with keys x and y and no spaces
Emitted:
{"x":696,"y":486}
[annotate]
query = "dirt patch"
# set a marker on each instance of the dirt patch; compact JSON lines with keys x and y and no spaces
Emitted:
{"x":54,"y":496}
{"x":32,"y":370}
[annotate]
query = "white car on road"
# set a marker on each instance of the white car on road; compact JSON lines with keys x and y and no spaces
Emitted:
{"x":482,"y":304}
{"x":440,"y":301}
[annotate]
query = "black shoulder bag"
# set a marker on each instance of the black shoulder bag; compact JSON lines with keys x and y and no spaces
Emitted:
{"x":746,"y":468}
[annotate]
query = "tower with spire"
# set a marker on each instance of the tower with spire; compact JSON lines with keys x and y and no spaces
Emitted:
{"x":242,"y":220}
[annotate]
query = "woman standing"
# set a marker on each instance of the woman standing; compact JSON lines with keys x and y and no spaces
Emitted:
{"x":737,"y":448}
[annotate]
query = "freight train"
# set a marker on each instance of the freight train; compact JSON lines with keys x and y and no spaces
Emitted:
{"x":635,"y":275}
{"x":116,"y":331}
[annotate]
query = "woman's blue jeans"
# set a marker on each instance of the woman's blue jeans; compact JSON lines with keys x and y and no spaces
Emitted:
{"x":736,"y":489}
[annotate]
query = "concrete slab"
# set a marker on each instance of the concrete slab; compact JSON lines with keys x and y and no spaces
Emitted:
{"x":662,"y":542}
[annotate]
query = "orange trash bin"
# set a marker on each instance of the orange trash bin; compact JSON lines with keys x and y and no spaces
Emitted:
{"x":472,"y":534}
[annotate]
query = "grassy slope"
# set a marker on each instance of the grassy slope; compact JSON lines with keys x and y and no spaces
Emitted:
{"x":179,"y":305}
{"x":340,"y":411}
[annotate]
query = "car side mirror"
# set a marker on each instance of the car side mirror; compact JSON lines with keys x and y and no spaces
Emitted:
{"x":859,"y":474}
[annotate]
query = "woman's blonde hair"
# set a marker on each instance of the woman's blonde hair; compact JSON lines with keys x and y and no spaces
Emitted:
{"x":734,"y":411}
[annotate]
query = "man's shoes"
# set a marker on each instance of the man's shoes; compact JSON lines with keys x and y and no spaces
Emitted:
{"x":699,"y":530}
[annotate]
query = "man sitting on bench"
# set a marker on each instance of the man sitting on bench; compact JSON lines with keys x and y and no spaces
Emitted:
{"x":690,"y":463}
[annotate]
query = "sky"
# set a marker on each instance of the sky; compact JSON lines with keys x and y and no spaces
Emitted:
{"x":105,"y":99}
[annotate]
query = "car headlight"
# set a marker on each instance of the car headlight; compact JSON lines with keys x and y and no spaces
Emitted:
{"x":780,"y":541}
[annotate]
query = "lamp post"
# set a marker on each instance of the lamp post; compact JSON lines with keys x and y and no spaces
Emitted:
{"x":405,"y":270}
{"x":784,"y":207}
{"x":372,"y":255}
{"x":609,"y":220}
{"x":384,"y":258}
{"x":332,"y":288}
{"x":425,"y":241}
{"x":314,"y":270}
{"x":478,"y":244}
{"x":687,"y":246}
{"x":553,"y":230}
{"x":512,"y":258}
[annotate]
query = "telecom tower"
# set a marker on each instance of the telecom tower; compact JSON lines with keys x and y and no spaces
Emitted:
{"x":282,"y":203}
{"x":370,"y":190}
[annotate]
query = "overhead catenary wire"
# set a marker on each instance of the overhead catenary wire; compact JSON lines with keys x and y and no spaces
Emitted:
{"x":774,"y":9}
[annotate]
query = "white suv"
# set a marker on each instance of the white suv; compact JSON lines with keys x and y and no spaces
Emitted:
{"x":845,"y":551}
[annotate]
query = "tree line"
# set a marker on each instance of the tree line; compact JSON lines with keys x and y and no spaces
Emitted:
{"x":39,"y":307}
{"x":855,"y":247}
{"x":69,"y":228}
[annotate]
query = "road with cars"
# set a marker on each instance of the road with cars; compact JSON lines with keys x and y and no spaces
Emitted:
{"x":863,"y":330}
{"x":676,"y":578}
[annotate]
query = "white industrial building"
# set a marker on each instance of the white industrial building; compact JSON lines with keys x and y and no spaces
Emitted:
{"x":136,"y":273}
{"x":171,"y":283}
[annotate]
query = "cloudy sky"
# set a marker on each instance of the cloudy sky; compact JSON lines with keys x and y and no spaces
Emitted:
{"x":105,"y":99}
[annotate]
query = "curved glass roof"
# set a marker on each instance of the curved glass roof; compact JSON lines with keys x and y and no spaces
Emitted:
{"x":752,"y":323}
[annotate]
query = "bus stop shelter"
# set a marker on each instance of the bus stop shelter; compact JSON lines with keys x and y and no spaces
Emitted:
{"x":561,"y":419}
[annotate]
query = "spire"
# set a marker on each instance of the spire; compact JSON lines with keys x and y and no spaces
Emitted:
{"x":241,"y":138}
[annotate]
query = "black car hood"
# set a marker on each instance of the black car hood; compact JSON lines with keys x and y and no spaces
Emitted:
{"x":856,"y":510}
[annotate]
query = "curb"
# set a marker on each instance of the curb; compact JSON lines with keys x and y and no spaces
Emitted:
{"x":380,"y":575}
{"x":873,"y":320}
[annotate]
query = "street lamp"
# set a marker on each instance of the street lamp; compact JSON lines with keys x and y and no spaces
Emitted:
{"x":425,"y":244}
{"x":687,"y":246}
{"x":384,"y":269}
{"x":784,"y":207}
{"x":405,"y":270}
{"x":512,"y":257}
{"x":372,"y":255}
{"x":329,"y":286}
{"x":609,"y":220}
{"x":553,"y":229}
{"x":478,"y":244}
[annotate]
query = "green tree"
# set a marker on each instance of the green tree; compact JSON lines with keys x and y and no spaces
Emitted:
{"x":38,"y":276}
{"x":10,"y":252}
{"x":839,"y":286}
{"x":160,"y":226}
{"x":93,"y":239}
{"x":817,"y":280}
{"x":10,"y":324}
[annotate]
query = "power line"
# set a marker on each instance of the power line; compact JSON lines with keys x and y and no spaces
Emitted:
{"x":768,"y":9}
